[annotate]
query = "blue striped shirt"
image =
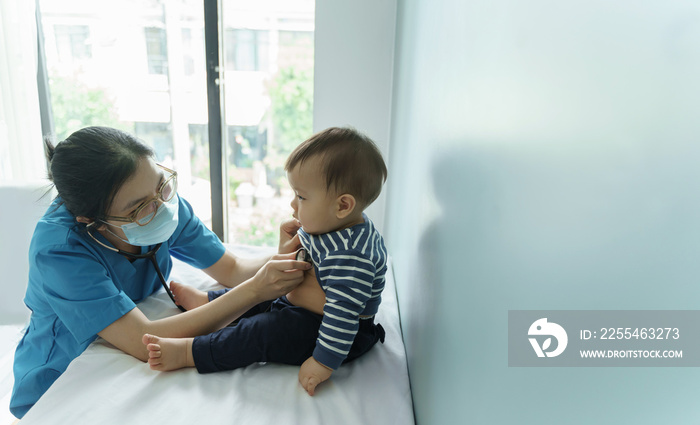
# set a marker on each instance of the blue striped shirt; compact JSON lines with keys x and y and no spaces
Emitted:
{"x":350,"y":265}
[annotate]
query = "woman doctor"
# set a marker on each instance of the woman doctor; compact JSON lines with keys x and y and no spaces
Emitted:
{"x":90,"y":260}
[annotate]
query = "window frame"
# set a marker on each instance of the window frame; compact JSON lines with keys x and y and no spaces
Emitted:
{"x":212,"y":41}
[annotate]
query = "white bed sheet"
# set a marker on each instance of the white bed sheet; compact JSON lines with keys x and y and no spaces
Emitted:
{"x":105,"y":386}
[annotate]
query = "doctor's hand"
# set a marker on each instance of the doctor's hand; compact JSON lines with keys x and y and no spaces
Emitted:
{"x":289,"y":240}
{"x":279,"y":276}
{"x":313,"y":373}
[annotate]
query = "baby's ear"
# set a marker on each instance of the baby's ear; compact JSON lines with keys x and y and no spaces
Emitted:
{"x":345,"y":205}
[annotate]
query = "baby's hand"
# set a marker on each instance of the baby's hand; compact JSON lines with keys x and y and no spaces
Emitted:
{"x":313,"y":373}
{"x":289,"y":240}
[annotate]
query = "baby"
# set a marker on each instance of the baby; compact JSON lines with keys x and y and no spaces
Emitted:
{"x":329,"y":318}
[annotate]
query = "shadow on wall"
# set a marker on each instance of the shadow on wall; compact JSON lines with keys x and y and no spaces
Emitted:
{"x":541,"y":225}
{"x":441,"y":315}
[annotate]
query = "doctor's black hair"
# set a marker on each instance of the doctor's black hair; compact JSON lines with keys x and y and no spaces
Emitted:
{"x":91,"y":165}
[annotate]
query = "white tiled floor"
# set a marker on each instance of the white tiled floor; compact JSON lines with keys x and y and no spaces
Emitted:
{"x":9,"y":337}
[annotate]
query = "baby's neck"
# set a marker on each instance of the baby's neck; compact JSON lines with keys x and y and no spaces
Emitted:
{"x":351,"y":221}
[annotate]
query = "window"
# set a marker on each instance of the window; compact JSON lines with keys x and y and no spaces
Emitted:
{"x":188,"y":54}
{"x":156,"y":50}
{"x":269,"y":107}
{"x":148,"y":77}
{"x":124,"y":79}
{"x":296,"y":49}
{"x":247,"y":50}
{"x":159,"y":136}
{"x":73,"y":42}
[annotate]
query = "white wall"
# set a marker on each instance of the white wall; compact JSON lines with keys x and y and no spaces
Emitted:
{"x":354,"y":52}
{"x":544,"y":155}
{"x":23,"y":205}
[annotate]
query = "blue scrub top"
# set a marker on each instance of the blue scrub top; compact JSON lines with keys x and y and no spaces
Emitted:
{"x":77,"y":288}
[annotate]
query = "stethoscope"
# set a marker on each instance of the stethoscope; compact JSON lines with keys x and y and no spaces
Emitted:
{"x":151,"y":255}
{"x":303,"y":255}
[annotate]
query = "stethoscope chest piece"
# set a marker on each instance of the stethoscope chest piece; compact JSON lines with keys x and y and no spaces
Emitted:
{"x":303,"y":255}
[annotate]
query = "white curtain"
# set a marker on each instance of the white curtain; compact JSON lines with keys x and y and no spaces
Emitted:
{"x":21,"y":150}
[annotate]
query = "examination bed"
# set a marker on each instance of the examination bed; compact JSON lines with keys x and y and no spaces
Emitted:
{"x":106,"y":386}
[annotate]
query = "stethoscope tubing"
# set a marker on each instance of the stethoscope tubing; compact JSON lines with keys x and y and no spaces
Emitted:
{"x":150,"y":255}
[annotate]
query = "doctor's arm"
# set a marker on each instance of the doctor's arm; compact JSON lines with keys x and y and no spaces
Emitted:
{"x":275,"y":278}
{"x":231,"y":270}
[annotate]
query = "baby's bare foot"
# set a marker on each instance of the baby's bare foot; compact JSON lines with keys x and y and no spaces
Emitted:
{"x":187,"y":296}
{"x":168,"y":353}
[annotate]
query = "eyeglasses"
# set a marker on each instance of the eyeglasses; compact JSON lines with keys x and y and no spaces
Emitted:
{"x":147,"y":210}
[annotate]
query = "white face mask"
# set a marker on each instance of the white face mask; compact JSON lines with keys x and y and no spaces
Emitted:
{"x":159,"y":230}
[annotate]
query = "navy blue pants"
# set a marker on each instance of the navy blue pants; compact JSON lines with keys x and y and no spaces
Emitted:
{"x":273,"y":331}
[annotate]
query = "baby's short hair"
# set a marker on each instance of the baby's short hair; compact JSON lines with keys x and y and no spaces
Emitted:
{"x":352,"y":162}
